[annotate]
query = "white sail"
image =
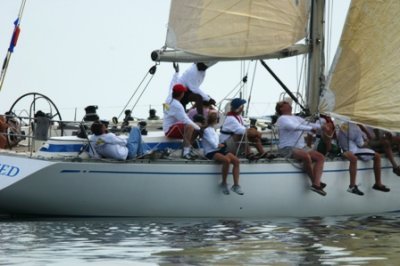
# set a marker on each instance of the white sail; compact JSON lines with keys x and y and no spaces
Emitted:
{"x":365,"y":79}
{"x":235,"y":28}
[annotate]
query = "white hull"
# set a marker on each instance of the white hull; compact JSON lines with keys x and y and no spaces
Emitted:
{"x":185,"y":189}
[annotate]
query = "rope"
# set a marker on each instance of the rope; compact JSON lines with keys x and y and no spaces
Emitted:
{"x":251,"y":88}
{"x":151,"y":71}
{"x":141,"y":94}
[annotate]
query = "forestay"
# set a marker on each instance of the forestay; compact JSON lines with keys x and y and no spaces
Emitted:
{"x":236,"y":29}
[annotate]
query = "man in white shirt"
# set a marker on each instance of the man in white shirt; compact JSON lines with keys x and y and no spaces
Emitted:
{"x":291,"y":144}
{"x":177,"y":124}
{"x":192,"y":78}
{"x":108,"y":145}
{"x":351,"y":140}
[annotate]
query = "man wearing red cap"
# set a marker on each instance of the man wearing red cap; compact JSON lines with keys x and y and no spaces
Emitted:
{"x":177,"y":124}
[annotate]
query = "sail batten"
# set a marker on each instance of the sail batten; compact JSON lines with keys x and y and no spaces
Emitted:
{"x":236,"y":29}
{"x":366,"y":78}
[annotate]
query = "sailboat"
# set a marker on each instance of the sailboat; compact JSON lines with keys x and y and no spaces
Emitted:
{"x":55,"y":179}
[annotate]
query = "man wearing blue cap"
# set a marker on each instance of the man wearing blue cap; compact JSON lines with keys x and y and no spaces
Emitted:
{"x":233,"y":131}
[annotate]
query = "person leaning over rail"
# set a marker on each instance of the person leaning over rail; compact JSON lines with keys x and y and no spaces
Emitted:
{"x":233,"y":131}
{"x":108,"y":145}
{"x":214,"y":150}
{"x":381,"y":141}
{"x":291,"y":144}
{"x":177,"y":124}
{"x":326,"y":146}
{"x":351,"y":140}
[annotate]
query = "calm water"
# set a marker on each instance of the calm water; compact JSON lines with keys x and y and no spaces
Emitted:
{"x":362,"y":240}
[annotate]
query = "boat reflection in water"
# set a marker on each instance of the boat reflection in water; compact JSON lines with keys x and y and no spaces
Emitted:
{"x":309,"y":241}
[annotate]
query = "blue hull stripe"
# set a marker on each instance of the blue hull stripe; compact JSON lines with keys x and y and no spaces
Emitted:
{"x":206,"y":173}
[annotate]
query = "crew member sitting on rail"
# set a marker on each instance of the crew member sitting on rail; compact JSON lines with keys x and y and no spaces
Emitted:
{"x":214,"y":150}
{"x":233,"y":132}
{"x":292,"y":145}
{"x":351,"y":140}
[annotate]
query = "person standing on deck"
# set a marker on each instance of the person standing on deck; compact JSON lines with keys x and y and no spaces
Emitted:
{"x":291,"y":144}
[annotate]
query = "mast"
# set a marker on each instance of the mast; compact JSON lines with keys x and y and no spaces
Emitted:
{"x":316,"y":67}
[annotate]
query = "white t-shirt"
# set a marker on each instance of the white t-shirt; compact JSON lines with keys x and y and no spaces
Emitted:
{"x":110,"y":146}
{"x":210,"y":140}
{"x":233,"y":125}
{"x":351,"y":138}
{"x":291,"y":129}
{"x":192,"y":78}
{"x":174,"y":113}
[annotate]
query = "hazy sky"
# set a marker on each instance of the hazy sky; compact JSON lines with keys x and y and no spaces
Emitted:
{"x":96,"y":52}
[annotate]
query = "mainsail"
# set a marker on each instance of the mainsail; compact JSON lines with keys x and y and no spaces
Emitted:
{"x":365,"y":79}
{"x":236,"y":28}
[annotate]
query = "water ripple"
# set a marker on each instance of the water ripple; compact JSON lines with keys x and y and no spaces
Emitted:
{"x":330,"y":241}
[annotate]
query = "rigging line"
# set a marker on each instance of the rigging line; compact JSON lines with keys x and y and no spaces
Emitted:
{"x":140,"y":96}
{"x":251,"y":89}
{"x":301,"y":77}
{"x":13,"y":43}
{"x":244,"y":73}
{"x":294,"y":98}
{"x":137,"y":88}
{"x":239,"y":84}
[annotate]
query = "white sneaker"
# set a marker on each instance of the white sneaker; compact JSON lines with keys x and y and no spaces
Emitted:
{"x":237,"y":189}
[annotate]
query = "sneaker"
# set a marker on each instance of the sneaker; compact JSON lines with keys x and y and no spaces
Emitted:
{"x":188,"y":156}
{"x":355,"y":190}
{"x":237,"y":189}
{"x":224,"y":189}
{"x":322,"y":184}
{"x":382,"y":188}
{"x":318,"y":189}
{"x":193,"y":154}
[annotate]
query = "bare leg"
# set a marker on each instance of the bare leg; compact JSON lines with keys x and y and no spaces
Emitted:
{"x":259,"y":146}
{"x":319,"y":160}
{"x":388,"y":152}
{"x":236,"y":168}
{"x":225,"y":160}
{"x":305,"y":158}
{"x":187,"y":135}
{"x":377,"y":169}
{"x":255,"y":137}
{"x":352,"y":167}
